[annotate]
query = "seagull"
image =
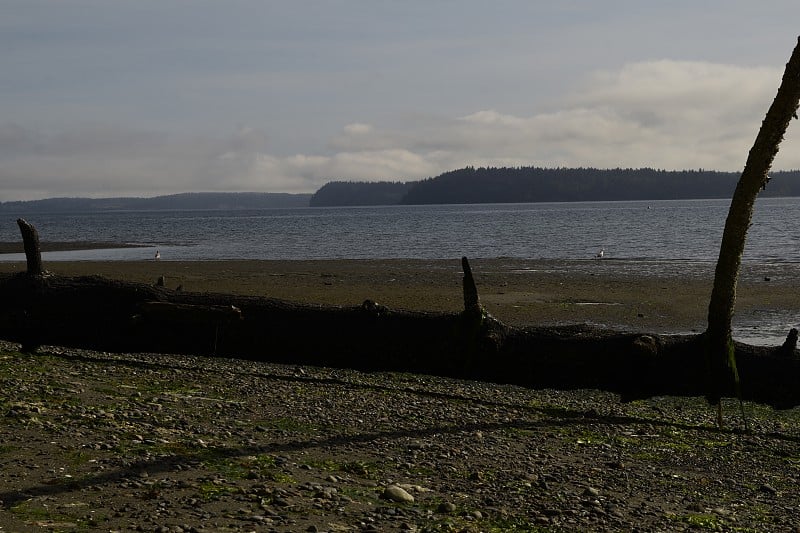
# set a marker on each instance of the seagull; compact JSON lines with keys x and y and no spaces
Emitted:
{"x":158,"y":255}
{"x":601,"y":253}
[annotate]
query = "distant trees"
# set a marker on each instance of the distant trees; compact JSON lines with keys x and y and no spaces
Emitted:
{"x":344,"y":193}
{"x":533,"y":184}
{"x":472,"y":185}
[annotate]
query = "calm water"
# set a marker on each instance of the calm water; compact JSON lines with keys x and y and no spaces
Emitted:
{"x":638,"y":231}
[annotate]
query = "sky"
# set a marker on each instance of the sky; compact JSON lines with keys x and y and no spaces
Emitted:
{"x":106,"y":98}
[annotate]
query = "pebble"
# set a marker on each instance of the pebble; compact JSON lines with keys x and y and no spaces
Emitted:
{"x":591,"y":491}
{"x":769,"y":489}
{"x":446,"y":508}
{"x":397,"y":494}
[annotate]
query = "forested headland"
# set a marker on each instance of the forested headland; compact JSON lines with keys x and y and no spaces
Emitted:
{"x":352,"y":193}
{"x":534,"y":184}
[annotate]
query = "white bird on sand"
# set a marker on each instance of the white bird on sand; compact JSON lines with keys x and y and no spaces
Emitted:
{"x":158,"y":255}
{"x":601,"y":253}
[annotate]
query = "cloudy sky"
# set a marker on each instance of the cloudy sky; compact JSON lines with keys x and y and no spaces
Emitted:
{"x":147,"y":97}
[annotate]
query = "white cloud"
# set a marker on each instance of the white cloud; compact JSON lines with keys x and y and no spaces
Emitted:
{"x":357,"y":129}
{"x":662,"y":114}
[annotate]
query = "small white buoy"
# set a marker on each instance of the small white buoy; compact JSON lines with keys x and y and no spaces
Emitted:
{"x":158,"y":255}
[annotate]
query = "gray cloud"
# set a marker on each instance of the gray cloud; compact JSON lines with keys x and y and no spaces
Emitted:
{"x":662,"y":114}
{"x":106,"y":161}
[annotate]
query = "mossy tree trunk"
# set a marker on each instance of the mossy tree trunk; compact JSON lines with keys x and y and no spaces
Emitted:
{"x":721,"y":362}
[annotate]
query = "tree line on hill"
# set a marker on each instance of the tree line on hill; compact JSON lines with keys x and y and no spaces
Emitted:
{"x":534,"y":184}
{"x":469,"y":185}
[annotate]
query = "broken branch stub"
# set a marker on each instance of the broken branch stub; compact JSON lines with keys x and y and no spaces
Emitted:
{"x":471,"y":303}
{"x":33,"y":250}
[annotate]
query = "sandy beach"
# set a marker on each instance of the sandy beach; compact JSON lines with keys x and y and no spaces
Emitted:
{"x":519,"y":292}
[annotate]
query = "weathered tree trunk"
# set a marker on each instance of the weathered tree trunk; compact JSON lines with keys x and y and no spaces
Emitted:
{"x":108,"y":315}
{"x":721,"y":361}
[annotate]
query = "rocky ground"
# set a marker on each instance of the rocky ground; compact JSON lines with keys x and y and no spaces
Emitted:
{"x":141,"y":442}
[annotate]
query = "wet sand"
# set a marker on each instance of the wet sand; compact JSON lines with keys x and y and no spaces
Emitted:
{"x":619,"y":295}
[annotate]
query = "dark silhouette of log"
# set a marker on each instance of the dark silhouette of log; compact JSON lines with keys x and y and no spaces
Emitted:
{"x":33,"y":250}
{"x":109,"y":315}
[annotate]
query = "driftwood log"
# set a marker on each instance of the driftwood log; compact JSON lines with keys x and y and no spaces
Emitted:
{"x":38,"y":308}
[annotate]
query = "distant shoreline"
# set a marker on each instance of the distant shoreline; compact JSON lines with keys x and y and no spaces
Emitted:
{"x":171,"y":202}
{"x":67,"y":246}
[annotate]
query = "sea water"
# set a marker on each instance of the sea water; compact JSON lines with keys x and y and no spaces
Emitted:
{"x":685,"y":230}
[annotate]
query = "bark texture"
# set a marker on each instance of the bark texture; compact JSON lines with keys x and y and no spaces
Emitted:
{"x":721,"y":362}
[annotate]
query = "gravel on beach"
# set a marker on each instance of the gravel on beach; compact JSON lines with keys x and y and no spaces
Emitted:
{"x":145,"y":442}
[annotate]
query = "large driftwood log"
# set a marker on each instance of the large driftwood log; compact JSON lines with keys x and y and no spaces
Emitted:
{"x":102,"y":314}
